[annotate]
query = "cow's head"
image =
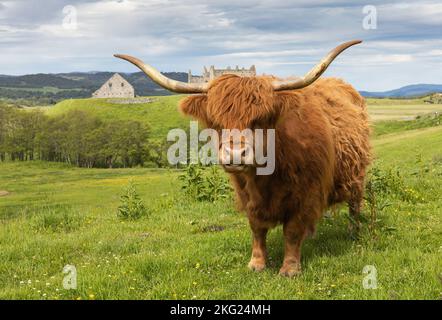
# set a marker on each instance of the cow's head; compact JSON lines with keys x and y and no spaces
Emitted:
{"x":237,"y":103}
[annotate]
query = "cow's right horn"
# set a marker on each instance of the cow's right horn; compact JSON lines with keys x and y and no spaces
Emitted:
{"x":165,"y":82}
{"x":315,"y":72}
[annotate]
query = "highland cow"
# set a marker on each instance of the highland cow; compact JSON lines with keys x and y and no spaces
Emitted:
{"x":321,"y":142}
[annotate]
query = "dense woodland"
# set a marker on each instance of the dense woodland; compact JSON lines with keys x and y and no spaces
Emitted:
{"x":41,"y":97}
{"x":78,"y":138}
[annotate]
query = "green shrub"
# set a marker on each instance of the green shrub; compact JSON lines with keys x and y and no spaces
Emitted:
{"x":437,"y":159}
{"x":217,"y":185}
{"x":132,"y":207}
{"x":384,"y":186}
{"x":390,"y":182}
{"x":375,"y":191}
{"x":204,"y":183}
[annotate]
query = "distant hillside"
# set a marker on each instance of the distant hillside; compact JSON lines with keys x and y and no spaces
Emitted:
{"x":75,"y":85}
{"x":161,"y":114}
{"x":51,"y":88}
{"x":415,"y":90}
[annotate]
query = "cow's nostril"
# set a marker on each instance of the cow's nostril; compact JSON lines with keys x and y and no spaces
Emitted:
{"x":236,"y":155}
{"x":225,"y":155}
{"x":248,"y":156}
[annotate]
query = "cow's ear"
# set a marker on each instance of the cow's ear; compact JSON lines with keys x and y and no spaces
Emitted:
{"x":195,"y":106}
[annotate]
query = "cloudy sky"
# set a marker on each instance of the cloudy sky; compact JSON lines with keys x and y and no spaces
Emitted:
{"x":402,"y":44}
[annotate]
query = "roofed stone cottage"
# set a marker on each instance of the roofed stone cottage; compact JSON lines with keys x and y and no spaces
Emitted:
{"x":115,"y":87}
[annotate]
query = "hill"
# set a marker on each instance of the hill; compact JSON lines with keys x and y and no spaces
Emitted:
{"x":75,"y":85}
{"x":415,"y":90}
{"x":59,"y":86}
{"x":162,"y":113}
{"x":162,"y":110}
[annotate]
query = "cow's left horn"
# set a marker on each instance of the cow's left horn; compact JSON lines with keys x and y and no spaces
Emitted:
{"x":315,"y":72}
{"x":165,"y":82}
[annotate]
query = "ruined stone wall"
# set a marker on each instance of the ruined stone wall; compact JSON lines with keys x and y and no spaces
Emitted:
{"x":213,"y":73}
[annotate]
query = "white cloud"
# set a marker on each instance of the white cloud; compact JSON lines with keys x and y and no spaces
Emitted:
{"x":280,"y":37}
{"x":268,"y":54}
{"x":435,"y":53}
{"x":427,"y":13}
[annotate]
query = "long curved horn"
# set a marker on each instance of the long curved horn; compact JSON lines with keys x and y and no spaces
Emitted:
{"x":315,"y":72}
{"x":165,"y":82}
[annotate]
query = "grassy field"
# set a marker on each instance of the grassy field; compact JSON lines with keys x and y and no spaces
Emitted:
{"x":400,"y":109}
{"x":161,"y":114}
{"x":401,"y":112}
{"x":58,"y":215}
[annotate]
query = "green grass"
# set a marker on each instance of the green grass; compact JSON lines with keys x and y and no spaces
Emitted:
{"x":400,"y":109}
{"x":58,"y":215}
{"x":161,"y":114}
{"x":386,"y":127}
{"x":395,"y":101}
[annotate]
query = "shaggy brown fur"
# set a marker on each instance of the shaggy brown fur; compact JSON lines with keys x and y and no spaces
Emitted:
{"x":322,"y":152}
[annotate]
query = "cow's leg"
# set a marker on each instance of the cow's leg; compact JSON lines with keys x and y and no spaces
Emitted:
{"x":355,"y":206}
{"x":259,"y":251}
{"x":295,"y":232}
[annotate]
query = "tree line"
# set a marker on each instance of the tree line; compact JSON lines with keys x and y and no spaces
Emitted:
{"x":78,"y":138}
{"x":42,"y":97}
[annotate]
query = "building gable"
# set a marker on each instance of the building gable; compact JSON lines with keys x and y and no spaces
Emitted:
{"x":115,"y":87}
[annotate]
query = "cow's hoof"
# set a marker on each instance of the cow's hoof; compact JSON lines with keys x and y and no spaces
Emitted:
{"x":256,"y":265}
{"x":290,"y":270}
{"x":354,"y":230}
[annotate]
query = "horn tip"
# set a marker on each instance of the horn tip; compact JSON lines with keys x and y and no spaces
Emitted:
{"x":128,"y":58}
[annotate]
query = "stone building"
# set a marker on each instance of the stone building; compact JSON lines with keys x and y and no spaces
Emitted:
{"x":213,"y":73}
{"x":115,"y":87}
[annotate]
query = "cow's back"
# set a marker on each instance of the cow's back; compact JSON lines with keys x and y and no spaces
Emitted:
{"x":347,"y":115}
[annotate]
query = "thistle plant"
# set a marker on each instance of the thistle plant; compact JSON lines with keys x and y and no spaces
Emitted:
{"x":132,"y":207}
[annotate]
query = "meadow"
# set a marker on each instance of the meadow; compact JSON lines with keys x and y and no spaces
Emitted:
{"x":57,"y":215}
{"x":387,"y":109}
{"x":161,"y":114}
